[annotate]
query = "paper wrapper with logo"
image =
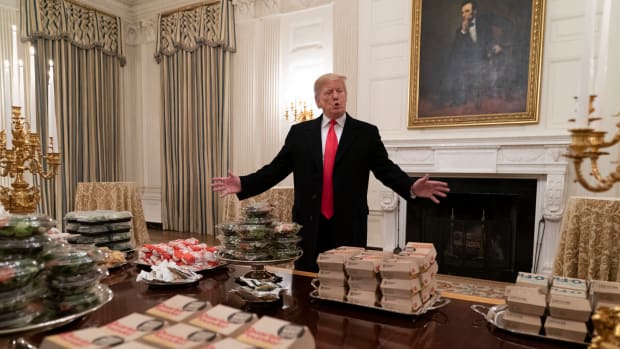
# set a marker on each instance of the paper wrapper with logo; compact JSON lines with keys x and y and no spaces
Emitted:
{"x":272,"y":333}
{"x":224,"y":320}
{"x":178,"y":308}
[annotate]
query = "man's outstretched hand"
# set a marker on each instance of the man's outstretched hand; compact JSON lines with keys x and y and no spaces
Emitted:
{"x":226,"y":185}
{"x":426,"y":188}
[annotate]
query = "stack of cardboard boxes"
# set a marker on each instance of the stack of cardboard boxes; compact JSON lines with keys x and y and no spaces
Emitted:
{"x":558,"y":307}
{"x":183,"y":322}
{"x":401,"y":282}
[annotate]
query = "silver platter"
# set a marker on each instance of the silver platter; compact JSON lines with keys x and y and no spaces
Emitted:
{"x":495,"y":316}
{"x":254,"y":263}
{"x":435,"y":302}
{"x":105,"y":296}
{"x":258,"y":267}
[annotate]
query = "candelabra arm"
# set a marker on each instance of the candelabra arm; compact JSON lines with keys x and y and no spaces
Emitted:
{"x":613,"y":141}
{"x":53,"y":162}
{"x":51,"y":173}
{"x":603,"y":183}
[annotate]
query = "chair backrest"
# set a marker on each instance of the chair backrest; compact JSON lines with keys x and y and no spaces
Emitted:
{"x":280,"y":197}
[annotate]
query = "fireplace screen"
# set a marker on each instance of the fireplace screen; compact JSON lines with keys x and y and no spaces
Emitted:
{"x":481,"y":234}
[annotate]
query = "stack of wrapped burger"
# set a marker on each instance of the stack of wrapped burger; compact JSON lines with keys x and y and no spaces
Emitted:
{"x":332,"y":277}
{"x":605,"y":294}
{"x":101,"y":228}
{"x":408,"y":279}
{"x":560,"y":303}
{"x":527,"y":302}
{"x":364,"y":278}
{"x":401,"y":282}
{"x":569,"y":309}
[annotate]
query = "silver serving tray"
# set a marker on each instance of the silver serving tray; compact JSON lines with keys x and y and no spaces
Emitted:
{"x":173,"y":284}
{"x":495,"y":316}
{"x":147,"y":267}
{"x":219,"y":256}
{"x":435,"y":302}
{"x":105,"y":296}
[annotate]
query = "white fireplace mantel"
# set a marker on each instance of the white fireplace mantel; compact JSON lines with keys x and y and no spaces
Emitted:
{"x":538,"y":157}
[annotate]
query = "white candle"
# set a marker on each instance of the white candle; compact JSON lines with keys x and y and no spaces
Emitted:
{"x":51,"y":110}
{"x":15,"y":84}
{"x":603,"y":51}
{"x":20,"y":86}
{"x":7,"y":104}
{"x":586,"y":65}
{"x":33,"y":101}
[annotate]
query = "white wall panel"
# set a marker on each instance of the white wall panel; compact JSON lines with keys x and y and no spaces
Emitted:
{"x":389,"y":99}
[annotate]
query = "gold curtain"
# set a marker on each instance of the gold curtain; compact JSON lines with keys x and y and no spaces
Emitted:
{"x":86,"y":48}
{"x":194,"y":48}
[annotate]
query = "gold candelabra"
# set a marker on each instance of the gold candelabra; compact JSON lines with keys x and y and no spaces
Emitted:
{"x":25,"y":155}
{"x":586,"y":143}
{"x":607,"y":326}
{"x":299,"y":112}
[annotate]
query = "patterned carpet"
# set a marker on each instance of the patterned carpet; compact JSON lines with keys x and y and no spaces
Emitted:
{"x":471,"y":289}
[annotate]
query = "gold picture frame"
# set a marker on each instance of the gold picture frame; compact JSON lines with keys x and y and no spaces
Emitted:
{"x":466,"y":72}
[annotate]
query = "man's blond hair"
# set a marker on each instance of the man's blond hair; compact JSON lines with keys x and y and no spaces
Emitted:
{"x":327,"y":77}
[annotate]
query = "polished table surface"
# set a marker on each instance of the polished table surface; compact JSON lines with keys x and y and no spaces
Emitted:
{"x":333,"y":324}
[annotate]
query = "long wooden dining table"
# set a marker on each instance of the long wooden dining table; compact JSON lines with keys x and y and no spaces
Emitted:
{"x":333,"y":324}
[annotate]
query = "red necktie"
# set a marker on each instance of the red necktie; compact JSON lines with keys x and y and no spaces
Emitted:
{"x":327,"y":199}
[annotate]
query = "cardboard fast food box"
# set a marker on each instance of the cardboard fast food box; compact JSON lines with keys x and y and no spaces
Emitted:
{"x":272,"y":333}
{"x":334,"y":259}
{"x":181,"y":336}
{"x":332,"y":292}
{"x":570,"y":308}
{"x":178,"y":308}
{"x":332,"y":278}
{"x":134,"y":326}
{"x":400,"y":287}
{"x":565,"y":329}
{"x":88,"y":338}
{"x":522,"y":322}
{"x":225,"y":320}
{"x":570,"y":283}
{"x":422,"y":248}
{"x":533,"y":280}
{"x":363,"y":266}
{"x":607,"y":291}
{"x":532,"y":303}
{"x":363,"y":284}
{"x":566,"y":292}
{"x":400,"y":304}
{"x":368,"y":298}
{"x":427,"y":277}
{"x":394,"y":268}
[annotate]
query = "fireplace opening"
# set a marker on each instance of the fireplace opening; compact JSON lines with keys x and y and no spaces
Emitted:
{"x":483,"y":229}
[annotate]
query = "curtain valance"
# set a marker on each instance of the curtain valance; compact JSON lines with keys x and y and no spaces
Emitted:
{"x":187,"y":29}
{"x":83,"y":27}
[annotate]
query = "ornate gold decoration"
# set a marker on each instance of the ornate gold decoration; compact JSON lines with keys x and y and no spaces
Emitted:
{"x":298,"y":112}
{"x":607,"y":326}
{"x":586,"y":143}
{"x":25,"y":155}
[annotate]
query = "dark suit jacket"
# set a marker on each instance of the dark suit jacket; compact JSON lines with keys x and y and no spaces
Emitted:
{"x":360,"y":150}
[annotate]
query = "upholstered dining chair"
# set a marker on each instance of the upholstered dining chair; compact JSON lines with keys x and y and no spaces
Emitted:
{"x":589,"y":243}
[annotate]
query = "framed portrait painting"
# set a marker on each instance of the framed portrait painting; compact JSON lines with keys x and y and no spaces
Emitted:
{"x":475,"y":62}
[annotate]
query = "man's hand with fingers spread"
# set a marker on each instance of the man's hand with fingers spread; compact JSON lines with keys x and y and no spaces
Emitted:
{"x":226,"y":185}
